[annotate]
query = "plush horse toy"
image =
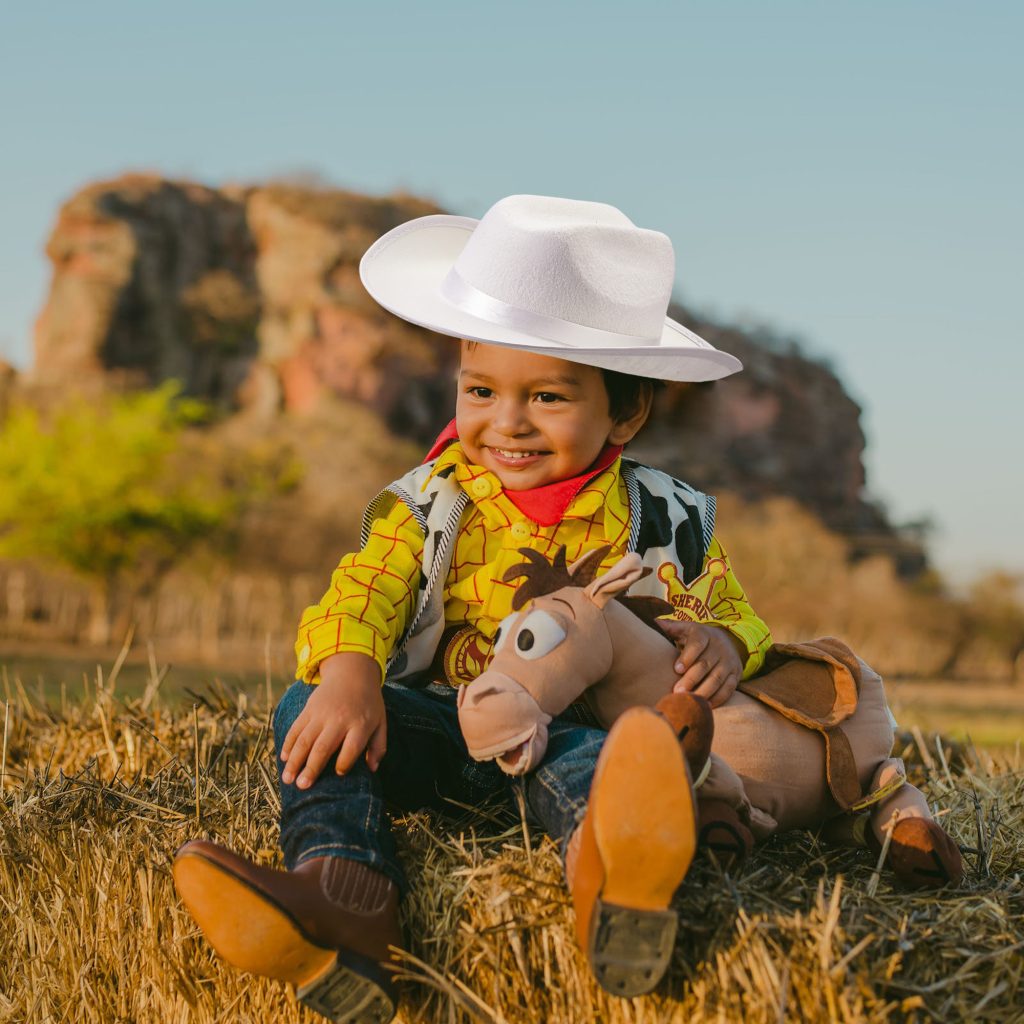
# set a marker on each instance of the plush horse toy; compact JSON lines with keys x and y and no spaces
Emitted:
{"x":805,"y":743}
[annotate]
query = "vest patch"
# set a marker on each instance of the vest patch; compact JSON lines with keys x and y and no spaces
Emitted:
{"x":692,"y":600}
{"x":655,"y":525}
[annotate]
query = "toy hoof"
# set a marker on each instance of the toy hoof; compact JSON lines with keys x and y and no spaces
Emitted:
{"x":923,"y":856}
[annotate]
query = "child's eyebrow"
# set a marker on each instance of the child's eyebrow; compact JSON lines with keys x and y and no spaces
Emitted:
{"x":560,"y":380}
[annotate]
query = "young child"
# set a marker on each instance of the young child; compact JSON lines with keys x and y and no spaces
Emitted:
{"x":561,"y":308}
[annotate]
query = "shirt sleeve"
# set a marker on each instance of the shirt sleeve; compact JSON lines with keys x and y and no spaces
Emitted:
{"x":370,"y":600}
{"x":730,"y":610}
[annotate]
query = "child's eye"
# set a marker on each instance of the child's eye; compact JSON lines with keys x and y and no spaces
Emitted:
{"x":549,"y":397}
{"x":479,"y":391}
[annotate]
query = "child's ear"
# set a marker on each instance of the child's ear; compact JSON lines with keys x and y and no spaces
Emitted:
{"x":624,"y":430}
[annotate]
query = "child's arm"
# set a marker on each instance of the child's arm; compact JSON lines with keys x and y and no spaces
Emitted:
{"x":346,"y":710}
{"x":370,"y":600}
{"x":343,"y":646}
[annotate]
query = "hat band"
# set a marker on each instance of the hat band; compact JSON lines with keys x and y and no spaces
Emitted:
{"x":461,"y":294}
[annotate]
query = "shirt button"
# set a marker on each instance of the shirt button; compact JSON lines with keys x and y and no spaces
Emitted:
{"x":521,"y":532}
{"x":481,"y":487}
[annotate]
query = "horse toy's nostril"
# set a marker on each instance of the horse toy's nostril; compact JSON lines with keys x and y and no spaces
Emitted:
{"x":474,"y":694}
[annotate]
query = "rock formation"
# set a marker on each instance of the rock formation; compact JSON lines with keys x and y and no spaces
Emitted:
{"x":784,"y":426}
{"x":249,"y":296}
{"x":151,"y":280}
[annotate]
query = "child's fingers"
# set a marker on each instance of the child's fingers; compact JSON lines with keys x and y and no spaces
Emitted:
{"x":726,"y":690}
{"x":351,"y":749}
{"x":713,"y":684}
{"x":325,"y":745}
{"x":293,"y":734}
{"x":693,"y":653}
{"x":679,"y":631}
{"x":300,"y":747}
{"x":378,"y":746}
{"x":695,"y":674}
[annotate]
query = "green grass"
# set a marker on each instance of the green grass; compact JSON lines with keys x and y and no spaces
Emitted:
{"x":57,"y":680}
{"x":985,"y":714}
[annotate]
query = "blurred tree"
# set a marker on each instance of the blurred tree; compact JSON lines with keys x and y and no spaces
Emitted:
{"x":994,"y":620}
{"x":118,"y":490}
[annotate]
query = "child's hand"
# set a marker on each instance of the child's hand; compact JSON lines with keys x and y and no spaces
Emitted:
{"x":709,"y":663}
{"x":346,"y":710}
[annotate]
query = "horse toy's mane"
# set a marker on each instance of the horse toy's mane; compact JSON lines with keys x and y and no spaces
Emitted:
{"x":542,"y":577}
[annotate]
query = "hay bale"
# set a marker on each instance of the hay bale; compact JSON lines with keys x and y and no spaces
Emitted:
{"x":99,"y":792}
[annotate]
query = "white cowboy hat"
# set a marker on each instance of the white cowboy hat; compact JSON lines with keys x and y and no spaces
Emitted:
{"x":559,"y":277}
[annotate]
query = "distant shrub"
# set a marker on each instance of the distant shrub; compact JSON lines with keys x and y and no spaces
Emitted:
{"x":801,"y":580}
{"x":118,"y":490}
{"x":990,"y":643}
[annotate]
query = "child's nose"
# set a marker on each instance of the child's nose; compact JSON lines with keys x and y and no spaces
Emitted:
{"x":511,"y":418}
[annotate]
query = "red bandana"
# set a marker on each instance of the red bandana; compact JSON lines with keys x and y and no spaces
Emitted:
{"x":545,"y":505}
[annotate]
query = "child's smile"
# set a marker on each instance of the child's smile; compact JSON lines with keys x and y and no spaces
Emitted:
{"x":531,"y":419}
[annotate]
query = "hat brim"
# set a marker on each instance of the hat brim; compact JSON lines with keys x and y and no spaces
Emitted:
{"x":403,"y":271}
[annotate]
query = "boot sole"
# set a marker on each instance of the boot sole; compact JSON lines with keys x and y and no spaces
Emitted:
{"x":254,"y":933}
{"x":645,"y":828}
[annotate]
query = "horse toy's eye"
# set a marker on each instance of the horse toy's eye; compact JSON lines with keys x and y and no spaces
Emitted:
{"x":502,"y":632}
{"x":539,"y":634}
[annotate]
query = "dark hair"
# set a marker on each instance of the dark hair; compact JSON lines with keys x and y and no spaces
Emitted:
{"x":627,"y":392}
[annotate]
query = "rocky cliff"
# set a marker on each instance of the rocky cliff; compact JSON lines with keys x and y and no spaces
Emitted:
{"x":784,"y":426}
{"x":251,"y":297}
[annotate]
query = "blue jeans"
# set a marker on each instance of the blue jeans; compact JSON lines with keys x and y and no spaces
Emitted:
{"x":426,"y":765}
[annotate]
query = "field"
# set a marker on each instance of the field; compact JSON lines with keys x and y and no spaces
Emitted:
{"x":104,"y":777}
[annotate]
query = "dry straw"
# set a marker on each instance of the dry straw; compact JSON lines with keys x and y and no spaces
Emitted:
{"x":99,"y":794}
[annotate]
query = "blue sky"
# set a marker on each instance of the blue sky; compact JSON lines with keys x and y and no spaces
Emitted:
{"x":848,"y":172}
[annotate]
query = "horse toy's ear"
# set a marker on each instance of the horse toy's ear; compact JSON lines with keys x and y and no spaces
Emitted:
{"x":617,"y":580}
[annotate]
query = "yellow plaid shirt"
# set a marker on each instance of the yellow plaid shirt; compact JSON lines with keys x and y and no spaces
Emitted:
{"x":373,"y":591}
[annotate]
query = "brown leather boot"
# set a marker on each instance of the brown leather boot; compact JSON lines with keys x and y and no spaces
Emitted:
{"x":326,"y":927}
{"x":631,"y":853}
{"x":721,"y":832}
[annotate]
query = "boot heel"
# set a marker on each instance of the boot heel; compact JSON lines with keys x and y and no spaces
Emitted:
{"x":350,"y":992}
{"x":630,"y":949}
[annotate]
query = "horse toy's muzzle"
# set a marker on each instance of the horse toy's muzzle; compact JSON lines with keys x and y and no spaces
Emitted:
{"x":501,"y":720}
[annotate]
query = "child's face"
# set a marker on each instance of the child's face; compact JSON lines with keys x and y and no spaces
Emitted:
{"x":531,"y":419}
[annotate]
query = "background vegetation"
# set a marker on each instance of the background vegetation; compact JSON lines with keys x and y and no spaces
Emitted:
{"x":120,"y":488}
{"x":143,"y":511}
